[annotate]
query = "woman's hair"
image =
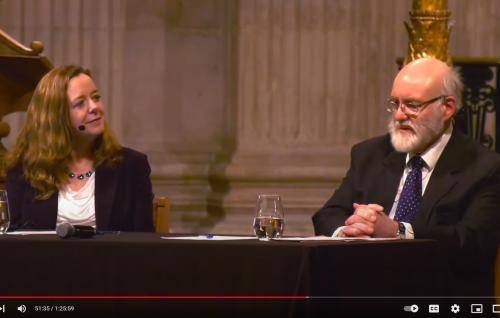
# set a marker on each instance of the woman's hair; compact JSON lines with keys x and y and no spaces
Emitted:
{"x":45,"y":143}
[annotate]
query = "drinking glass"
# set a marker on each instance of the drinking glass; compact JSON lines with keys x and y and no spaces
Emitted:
{"x":4,"y":212}
{"x":269,"y":218}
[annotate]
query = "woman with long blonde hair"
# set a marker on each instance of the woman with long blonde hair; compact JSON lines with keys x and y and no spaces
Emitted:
{"x":67,"y":166}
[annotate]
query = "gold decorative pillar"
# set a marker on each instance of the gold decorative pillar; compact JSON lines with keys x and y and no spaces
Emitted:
{"x":429,"y":30}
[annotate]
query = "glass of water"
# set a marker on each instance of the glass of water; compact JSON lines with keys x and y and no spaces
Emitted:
{"x":4,"y":212}
{"x":269,"y":217}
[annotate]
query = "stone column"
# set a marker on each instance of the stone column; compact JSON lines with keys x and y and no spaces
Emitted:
{"x":312,"y":78}
{"x":176,"y":87}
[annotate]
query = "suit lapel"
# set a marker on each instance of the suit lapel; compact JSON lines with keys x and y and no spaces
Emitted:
{"x":105,"y":186}
{"x":394,"y":165}
{"x":445,"y":175}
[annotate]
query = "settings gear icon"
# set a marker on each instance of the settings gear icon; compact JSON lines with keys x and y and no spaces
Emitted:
{"x":455,"y":308}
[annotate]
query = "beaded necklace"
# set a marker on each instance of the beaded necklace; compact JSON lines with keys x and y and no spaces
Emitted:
{"x":82,"y":176}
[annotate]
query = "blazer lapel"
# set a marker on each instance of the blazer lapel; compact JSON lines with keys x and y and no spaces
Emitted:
{"x":445,"y":175}
{"x":394,"y":165}
{"x":105,"y":186}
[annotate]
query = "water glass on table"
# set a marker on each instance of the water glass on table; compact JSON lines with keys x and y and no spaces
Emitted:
{"x":269,"y":217}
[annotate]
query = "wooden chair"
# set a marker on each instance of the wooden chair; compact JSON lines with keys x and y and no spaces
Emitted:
{"x":161,"y":214}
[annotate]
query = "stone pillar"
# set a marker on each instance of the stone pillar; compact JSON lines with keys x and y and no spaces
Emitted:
{"x":312,"y":78}
{"x":176,"y":85}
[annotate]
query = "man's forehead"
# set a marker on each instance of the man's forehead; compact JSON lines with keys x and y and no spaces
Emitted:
{"x":424,"y":68}
{"x":421,"y":76}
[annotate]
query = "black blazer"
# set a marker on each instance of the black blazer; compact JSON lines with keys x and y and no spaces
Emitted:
{"x":460,"y":207}
{"x":123,"y":198}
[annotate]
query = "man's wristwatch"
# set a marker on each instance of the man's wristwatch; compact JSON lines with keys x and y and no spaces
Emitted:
{"x":401,"y":233}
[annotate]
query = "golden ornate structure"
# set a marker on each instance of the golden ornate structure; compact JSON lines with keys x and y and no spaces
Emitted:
{"x":429,"y":30}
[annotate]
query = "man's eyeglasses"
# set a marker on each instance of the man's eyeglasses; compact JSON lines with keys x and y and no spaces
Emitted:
{"x":410,"y":107}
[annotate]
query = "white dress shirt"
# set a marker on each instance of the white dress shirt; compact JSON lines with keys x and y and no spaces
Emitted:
{"x":430,"y":157}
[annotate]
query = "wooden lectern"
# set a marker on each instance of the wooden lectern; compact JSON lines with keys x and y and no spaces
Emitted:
{"x":20,"y":70}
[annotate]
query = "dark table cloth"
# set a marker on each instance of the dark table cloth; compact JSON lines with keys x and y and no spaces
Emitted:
{"x":334,"y":276}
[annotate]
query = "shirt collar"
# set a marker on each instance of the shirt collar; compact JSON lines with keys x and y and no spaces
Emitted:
{"x":432,"y":154}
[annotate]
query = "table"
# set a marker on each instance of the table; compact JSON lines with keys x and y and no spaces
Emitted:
{"x":143,"y":264}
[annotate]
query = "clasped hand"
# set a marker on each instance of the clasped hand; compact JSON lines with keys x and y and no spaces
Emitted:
{"x":369,"y":220}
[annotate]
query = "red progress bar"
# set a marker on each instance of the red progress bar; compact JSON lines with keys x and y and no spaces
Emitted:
{"x":154,"y":297}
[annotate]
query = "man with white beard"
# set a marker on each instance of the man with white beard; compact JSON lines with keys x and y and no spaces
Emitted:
{"x":424,"y":179}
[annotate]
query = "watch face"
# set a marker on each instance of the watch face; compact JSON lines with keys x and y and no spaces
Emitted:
{"x":402,"y":228}
{"x":402,"y":231}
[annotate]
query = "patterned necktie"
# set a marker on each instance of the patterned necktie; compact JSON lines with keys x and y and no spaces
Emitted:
{"x":411,"y":196}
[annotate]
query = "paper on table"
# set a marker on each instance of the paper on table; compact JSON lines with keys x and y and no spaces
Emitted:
{"x":210,"y":238}
{"x":329,"y":238}
{"x":30,"y":232}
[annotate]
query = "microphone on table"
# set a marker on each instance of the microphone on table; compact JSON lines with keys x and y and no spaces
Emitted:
{"x":67,"y":230}
{"x":81,"y":127}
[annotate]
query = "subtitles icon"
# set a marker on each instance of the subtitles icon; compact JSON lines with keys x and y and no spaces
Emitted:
{"x":476,"y":308}
{"x":434,"y":309}
{"x":413,"y":308}
{"x":22,"y":308}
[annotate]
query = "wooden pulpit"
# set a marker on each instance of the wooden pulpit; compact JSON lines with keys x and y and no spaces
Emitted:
{"x":20,"y":70}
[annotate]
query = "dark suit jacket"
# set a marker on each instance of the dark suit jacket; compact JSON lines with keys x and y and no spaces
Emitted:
{"x":460,"y":207}
{"x":123,"y":198}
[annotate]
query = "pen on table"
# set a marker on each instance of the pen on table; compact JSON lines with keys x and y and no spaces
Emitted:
{"x":100,"y":232}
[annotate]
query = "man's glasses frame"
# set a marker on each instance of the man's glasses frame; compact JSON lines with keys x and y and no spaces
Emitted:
{"x":411,"y":108}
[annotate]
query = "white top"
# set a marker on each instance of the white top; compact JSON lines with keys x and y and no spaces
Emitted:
{"x":77,"y":207}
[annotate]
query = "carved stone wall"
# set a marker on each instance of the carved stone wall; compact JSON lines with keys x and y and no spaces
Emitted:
{"x":234,"y":98}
